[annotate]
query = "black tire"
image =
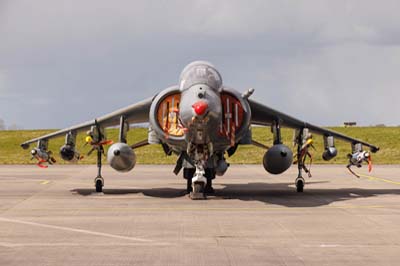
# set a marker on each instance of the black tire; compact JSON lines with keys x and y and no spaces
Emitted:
{"x":210,"y":175}
{"x":99,"y":186}
{"x":189,"y":185}
{"x":198,"y":192}
{"x":198,"y":188}
{"x":209,"y":189}
{"x":188,"y":173}
{"x":300,"y":186}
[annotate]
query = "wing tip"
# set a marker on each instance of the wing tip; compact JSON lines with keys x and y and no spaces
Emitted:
{"x":25,"y":146}
{"x":374,"y":149}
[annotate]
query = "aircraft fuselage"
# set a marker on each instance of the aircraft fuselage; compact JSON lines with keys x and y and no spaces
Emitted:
{"x":200,"y":117}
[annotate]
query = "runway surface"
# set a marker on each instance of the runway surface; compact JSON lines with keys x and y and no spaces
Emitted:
{"x":54,"y":217}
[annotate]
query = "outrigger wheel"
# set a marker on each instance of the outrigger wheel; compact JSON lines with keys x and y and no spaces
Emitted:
{"x":99,"y":183}
{"x":300,"y":184}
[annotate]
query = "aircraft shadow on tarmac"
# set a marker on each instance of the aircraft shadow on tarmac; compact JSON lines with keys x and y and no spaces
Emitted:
{"x":282,"y":194}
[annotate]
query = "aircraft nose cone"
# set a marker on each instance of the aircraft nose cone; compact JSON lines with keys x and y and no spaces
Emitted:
{"x":200,"y":107}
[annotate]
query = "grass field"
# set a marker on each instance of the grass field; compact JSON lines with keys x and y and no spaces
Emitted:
{"x":387,"y":138}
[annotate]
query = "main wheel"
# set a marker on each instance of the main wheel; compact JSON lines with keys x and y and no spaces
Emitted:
{"x":210,"y":175}
{"x":209,"y":189}
{"x":188,"y":175}
{"x":99,"y":186}
{"x":198,"y":188}
{"x":189,"y":185}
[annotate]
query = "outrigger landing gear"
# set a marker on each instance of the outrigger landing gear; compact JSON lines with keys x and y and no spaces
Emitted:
{"x":99,"y":181}
{"x":302,"y":152}
{"x":300,"y":184}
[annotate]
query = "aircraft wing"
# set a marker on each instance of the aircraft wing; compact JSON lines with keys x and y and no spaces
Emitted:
{"x":265,"y":116}
{"x":135,"y":113}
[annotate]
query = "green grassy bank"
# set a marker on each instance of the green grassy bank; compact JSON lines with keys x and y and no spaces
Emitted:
{"x":387,"y":138}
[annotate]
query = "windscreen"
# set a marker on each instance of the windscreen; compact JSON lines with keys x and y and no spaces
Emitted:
{"x":200,"y":73}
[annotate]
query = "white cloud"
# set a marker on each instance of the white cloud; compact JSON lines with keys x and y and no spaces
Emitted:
{"x":49,"y":20}
{"x":341,"y":55}
{"x":2,"y":84}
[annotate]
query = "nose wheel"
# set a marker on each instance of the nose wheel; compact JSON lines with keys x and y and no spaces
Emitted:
{"x":199,"y":184}
{"x":198,"y":191}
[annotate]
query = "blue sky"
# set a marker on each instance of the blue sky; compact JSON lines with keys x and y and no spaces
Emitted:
{"x":63,"y":62}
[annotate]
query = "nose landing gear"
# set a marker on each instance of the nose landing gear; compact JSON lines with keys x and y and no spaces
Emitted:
{"x":199,"y":182}
{"x":198,"y":191}
{"x":198,"y":187}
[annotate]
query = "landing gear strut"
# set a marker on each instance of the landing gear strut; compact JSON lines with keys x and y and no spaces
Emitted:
{"x":300,"y":182}
{"x":99,"y":181}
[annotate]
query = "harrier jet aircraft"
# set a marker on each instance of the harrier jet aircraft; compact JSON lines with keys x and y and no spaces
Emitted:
{"x":201,"y":121}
